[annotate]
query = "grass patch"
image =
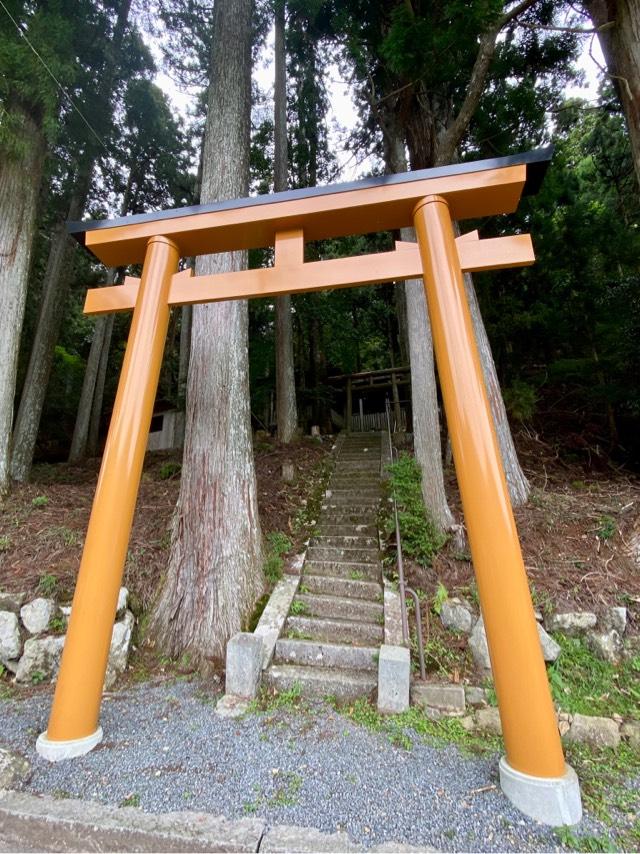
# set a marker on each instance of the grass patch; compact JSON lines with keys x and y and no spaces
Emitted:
{"x":298,"y":608}
{"x":278,"y":544}
{"x":261,"y":604}
{"x":39,"y":501}
{"x":399,"y":728}
{"x":586,"y":685}
{"x":47,"y":584}
{"x":169,"y":470}
{"x":307,"y":516}
{"x":267,"y":701}
{"x":5,"y":543}
{"x":421,"y":538}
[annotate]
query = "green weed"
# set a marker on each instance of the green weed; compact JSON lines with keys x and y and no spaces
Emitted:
{"x":576,"y":842}
{"x":268,"y":702}
{"x":584,"y":684}
{"x":440,"y":597}
{"x":169,"y":470}
{"x":57,"y":623}
{"x":356,"y":575}
{"x":421,"y":538}
{"x":298,"y":608}
{"x":278,"y":544}
{"x":47,"y":584}
{"x":132,"y":800}
{"x":607,"y":528}
{"x":40,"y":501}
{"x":5,"y":543}
{"x":37,"y":677}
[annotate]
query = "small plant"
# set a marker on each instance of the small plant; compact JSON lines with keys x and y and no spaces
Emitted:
{"x":575,"y":842}
{"x":421,"y":539}
{"x":607,"y":528}
{"x":303,"y":588}
{"x":169,"y":470}
{"x":298,"y":608}
{"x":278,"y":544}
{"x":294,"y":634}
{"x":440,"y":597}
{"x":3,"y":670}
{"x":286,"y":794}
{"x":47,"y":584}
{"x":356,"y":575}
{"x":39,"y":501}
{"x":132,"y":800}
{"x":57,"y":623}
{"x":5,"y":543}
{"x":37,"y":677}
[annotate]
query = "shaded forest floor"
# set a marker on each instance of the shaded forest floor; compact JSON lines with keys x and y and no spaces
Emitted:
{"x":580,"y":530}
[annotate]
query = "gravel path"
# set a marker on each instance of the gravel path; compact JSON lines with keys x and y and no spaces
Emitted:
{"x":164,"y":749}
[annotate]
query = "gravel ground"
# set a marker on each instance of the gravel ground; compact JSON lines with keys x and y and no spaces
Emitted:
{"x":164,"y":749}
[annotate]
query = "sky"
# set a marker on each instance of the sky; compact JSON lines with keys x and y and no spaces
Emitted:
{"x":343,"y":116}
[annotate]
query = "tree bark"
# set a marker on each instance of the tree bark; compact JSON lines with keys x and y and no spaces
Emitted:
{"x":93,"y":437}
{"x":185,"y":347}
{"x":286,"y":410}
{"x":78,"y":448}
{"x":55,"y":288}
{"x":20,"y":176}
{"x":618,"y":24}
{"x":214,"y":573}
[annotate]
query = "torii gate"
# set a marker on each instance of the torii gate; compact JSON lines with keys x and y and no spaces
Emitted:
{"x":533,"y":773}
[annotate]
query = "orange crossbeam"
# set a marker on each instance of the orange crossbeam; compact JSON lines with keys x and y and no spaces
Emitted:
{"x":290,"y":275}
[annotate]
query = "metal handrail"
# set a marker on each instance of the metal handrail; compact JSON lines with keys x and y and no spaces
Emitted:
{"x":404,"y":590}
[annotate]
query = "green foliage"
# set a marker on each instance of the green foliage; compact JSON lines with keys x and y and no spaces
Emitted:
{"x":47,"y":584}
{"x":37,"y":677}
{"x":520,"y":398}
{"x":132,"y":800}
{"x":39,"y":501}
{"x":298,"y":608}
{"x":576,"y":841}
{"x":421,"y":539}
{"x":169,"y":470}
{"x":57,"y":624}
{"x":440,"y":597}
{"x":278,"y":544}
{"x":607,"y":528}
{"x":5,"y":543}
{"x":584,"y":684}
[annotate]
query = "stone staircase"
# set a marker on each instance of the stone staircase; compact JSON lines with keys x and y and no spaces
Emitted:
{"x":331,"y":639}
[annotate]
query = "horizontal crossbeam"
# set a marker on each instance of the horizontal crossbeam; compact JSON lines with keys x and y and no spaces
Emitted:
{"x":290,"y":276}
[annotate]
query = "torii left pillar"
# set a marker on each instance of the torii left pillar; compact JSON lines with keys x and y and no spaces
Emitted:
{"x":74,"y":727}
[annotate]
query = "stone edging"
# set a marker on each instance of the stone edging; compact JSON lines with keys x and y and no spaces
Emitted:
{"x":43,"y":823}
{"x":469,"y":704}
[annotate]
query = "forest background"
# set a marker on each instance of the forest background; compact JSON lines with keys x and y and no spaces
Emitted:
{"x":87,"y":132}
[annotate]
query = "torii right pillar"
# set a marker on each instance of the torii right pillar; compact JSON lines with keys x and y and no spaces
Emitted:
{"x":533,"y":774}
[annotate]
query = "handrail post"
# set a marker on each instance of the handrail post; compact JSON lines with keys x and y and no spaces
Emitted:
{"x":534,"y":774}
{"x":73,"y":724}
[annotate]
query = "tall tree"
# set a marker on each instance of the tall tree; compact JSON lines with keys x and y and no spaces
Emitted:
{"x":60,"y":261}
{"x":618,"y":26}
{"x":36,"y":46}
{"x":286,"y":409}
{"x":214,"y":573}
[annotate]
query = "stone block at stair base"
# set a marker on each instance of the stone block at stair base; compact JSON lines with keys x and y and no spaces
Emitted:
{"x":394,"y":676}
{"x":446,"y":698}
{"x":244,"y":665}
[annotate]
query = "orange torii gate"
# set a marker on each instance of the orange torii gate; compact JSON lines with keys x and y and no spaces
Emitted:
{"x":533,"y":773}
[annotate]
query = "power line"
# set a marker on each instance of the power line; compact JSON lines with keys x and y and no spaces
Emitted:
{"x":53,"y":77}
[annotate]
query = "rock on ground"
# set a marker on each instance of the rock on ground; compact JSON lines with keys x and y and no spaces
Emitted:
{"x":605,"y":645}
{"x":14,"y":768}
{"x":119,"y":649}
{"x":457,"y":616}
{"x":480,"y":649}
{"x":572,"y":623}
{"x":40,"y":659}
{"x":10,"y":641}
{"x":36,"y":615}
{"x":12,"y":601}
{"x":599,"y":732}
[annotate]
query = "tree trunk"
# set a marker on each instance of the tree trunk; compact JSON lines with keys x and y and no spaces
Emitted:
{"x":93,"y":438}
{"x":78,"y":448}
{"x":214,"y":573}
{"x":286,"y":414}
{"x":424,"y":396}
{"x":55,"y":287}
{"x":620,"y":44}
{"x":20,"y":176}
{"x":185,"y":347}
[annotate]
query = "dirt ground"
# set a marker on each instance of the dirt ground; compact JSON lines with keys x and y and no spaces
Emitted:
{"x":42,"y":524}
{"x":579,"y":531}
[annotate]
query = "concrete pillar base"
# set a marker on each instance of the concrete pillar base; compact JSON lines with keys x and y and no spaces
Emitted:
{"x":554,"y":801}
{"x":54,"y":751}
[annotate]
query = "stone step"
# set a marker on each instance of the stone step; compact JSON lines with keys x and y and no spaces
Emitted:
{"x":342,"y":569}
{"x":341,"y":554}
{"x":332,"y":518}
{"x":320,"y":682}
{"x":331,"y":585}
{"x":352,"y":541}
{"x":333,"y":631}
{"x":352,"y":530}
{"x":317,"y":654}
{"x":351,"y":497}
{"x":330,"y":505}
{"x":340,"y":607}
{"x":348,"y":481}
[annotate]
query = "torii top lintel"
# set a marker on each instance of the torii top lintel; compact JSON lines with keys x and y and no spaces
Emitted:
{"x":475,"y":189}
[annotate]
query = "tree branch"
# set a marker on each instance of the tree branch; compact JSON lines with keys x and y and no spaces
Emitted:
{"x":449,"y":140}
